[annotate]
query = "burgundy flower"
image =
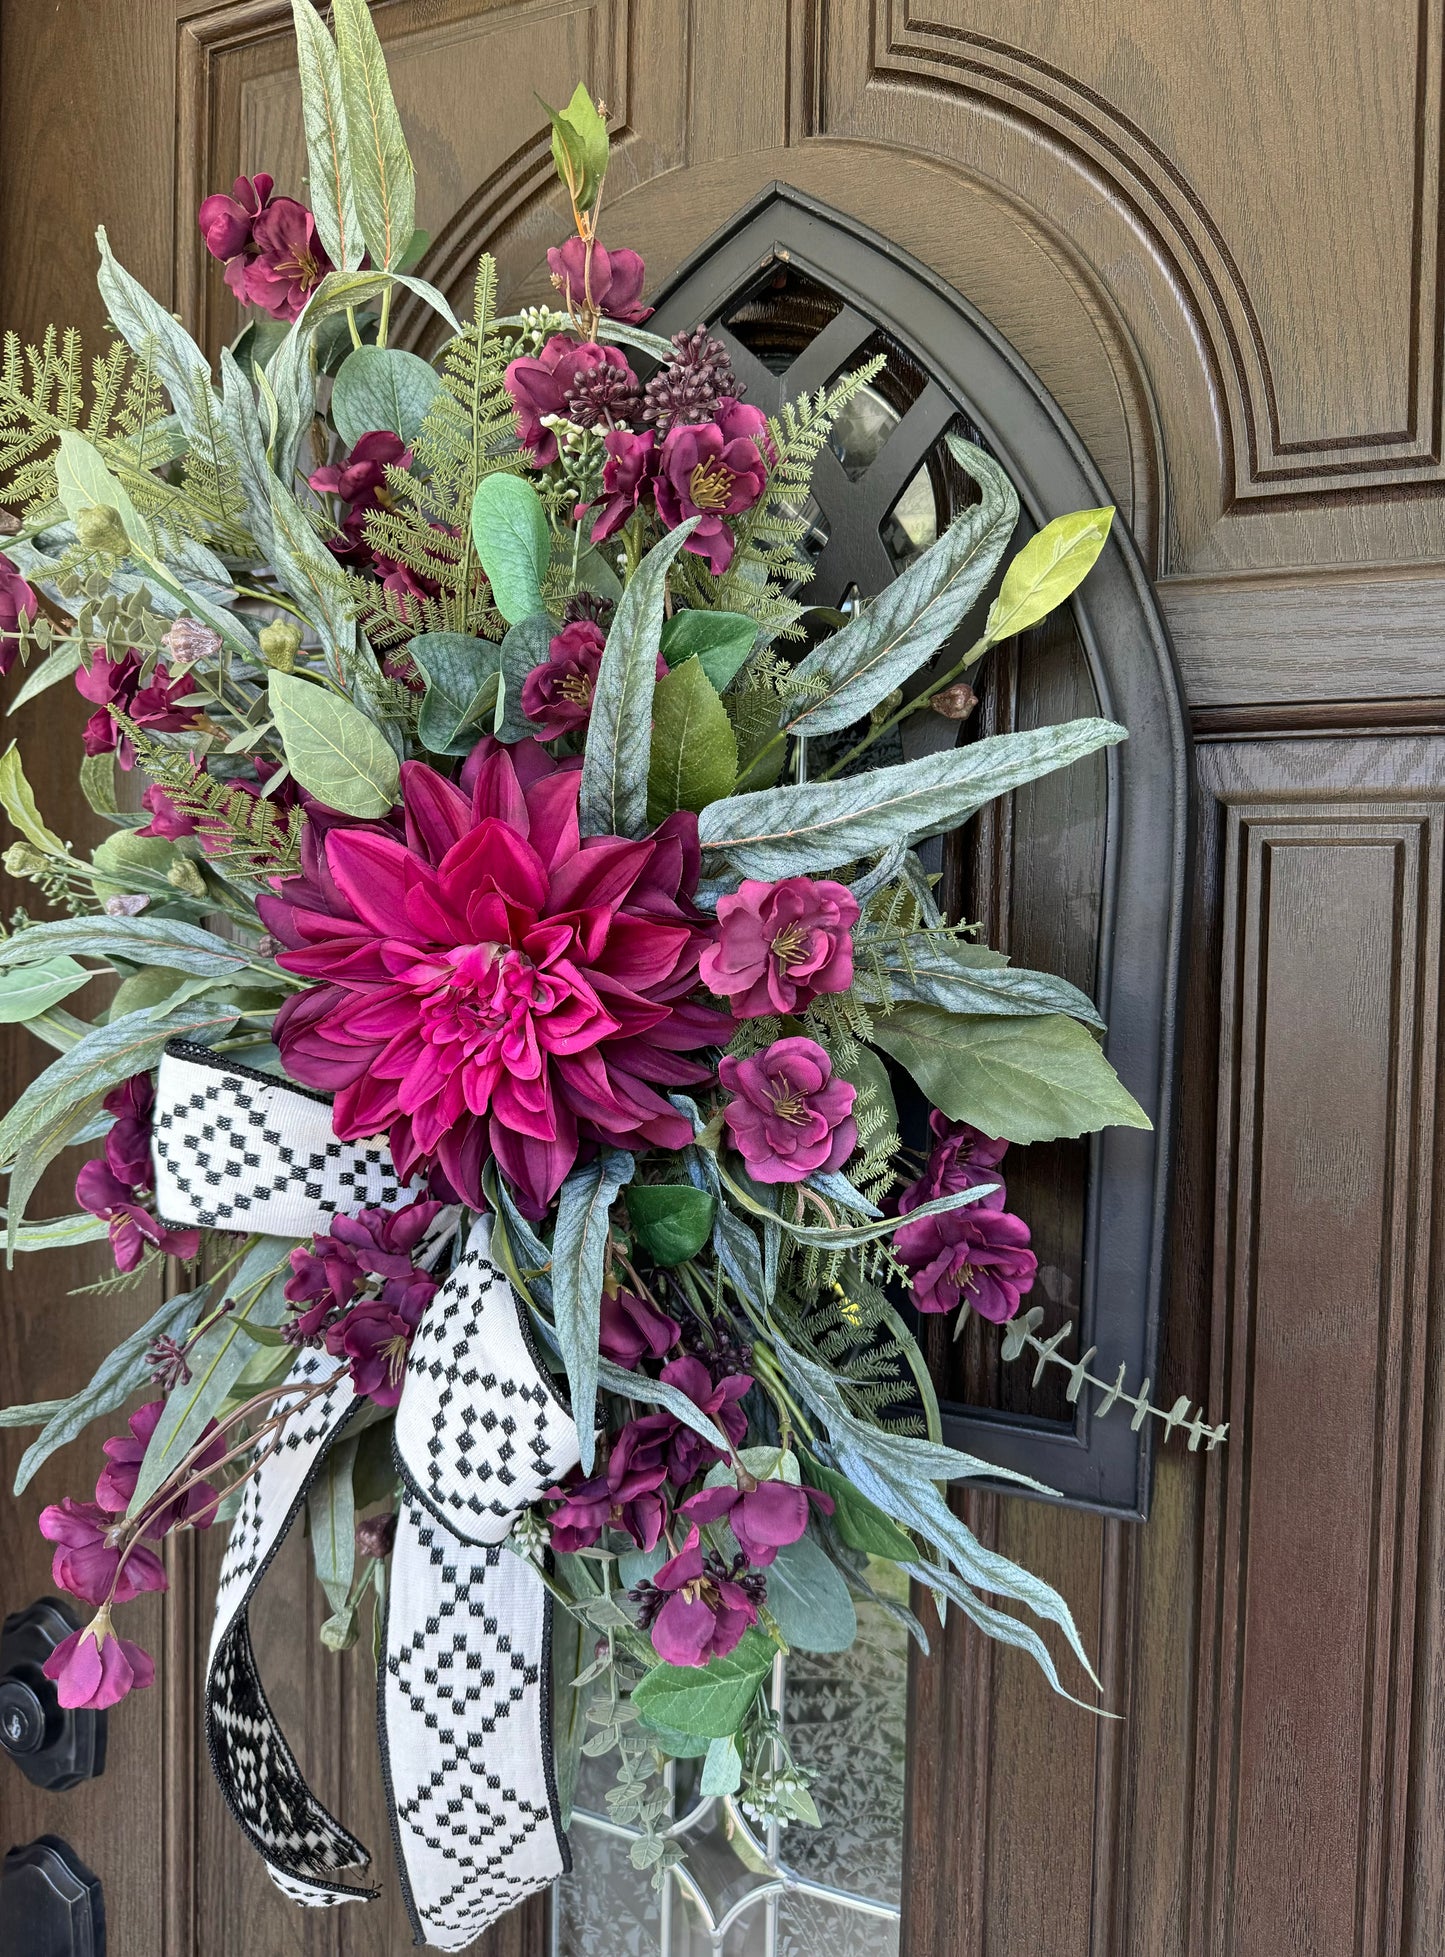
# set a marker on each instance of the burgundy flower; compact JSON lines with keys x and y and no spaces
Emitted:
{"x":688,"y":1454}
{"x":376,"y":1336}
{"x":961,"y":1159}
{"x":17,"y":601}
{"x":116,"y":682}
{"x":705,"y":1610}
{"x":976,"y":1255}
{"x":711,"y":470}
{"x":781,"y":944}
{"x":764,"y":1517}
{"x":631,"y":460}
{"x":495,"y":985}
{"x":124,"y":1454}
{"x":583,"y":1512}
{"x":284,"y":262}
{"x":99,"y":1190}
{"x":227,"y":222}
{"x":632,"y":1330}
{"x":128,"y":1145}
{"x":789,"y":1118}
{"x":374,"y":1243}
{"x":94,"y":1668}
{"x":629,"y":1495}
{"x":540,"y":385}
{"x":359,"y":481}
{"x":612,"y":281}
{"x":87,"y":1562}
{"x":558,"y":693}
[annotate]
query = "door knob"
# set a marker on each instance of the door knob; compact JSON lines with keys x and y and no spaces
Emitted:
{"x":50,"y":1903}
{"x":54,"y":1748}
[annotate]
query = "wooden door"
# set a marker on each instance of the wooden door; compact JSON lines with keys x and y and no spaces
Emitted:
{"x":1213,"y":231}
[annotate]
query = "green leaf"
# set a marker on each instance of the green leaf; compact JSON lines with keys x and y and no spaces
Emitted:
{"x":722,"y":1771}
{"x":328,"y":141}
{"x":755,"y":715}
{"x":166,"y":941}
{"x":1046,"y":570}
{"x":383,"y":179}
{"x":1023,"y":1080}
{"x":678,"y":1746}
{"x":381,"y":387}
{"x":35,"y":989}
{"x":60,"y":1232}
{"x":657,"y":1393}
{"x":333,"y":750}
{"x":619,"y":733}
{"x":939,"y":971}
{"x":331,"y":1509}
{"x":121,"y":1371}
{"x":720,"y":640}
{"x":18,"y":801}
{"x":86,"y":484}
{"x":56,"y":666}
{"x":243,"y":432}
{"x":672,"y":1220}
{"x":861,"y":1525}
{"x":910,"y":619}
{"x":579,"y":147}
{"x":694,"y":757}
{"x":791,"y":831}
{"x":159,"y":340}
{"x":809,"y":1598}
{"x":461,"y":675}
{"x":97,"y":783}
{"x":509,"y":529}
{"x":709,"y":1700}
{"x":523,"y":649}
{"x":579,"y":1254}
{"x":309,"y":572}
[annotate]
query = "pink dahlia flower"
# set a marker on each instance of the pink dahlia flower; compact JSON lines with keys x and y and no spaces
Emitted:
{"x":977,"y":1255}
{"x":712,"y":470}
{"x":781,"y":944}
{"x":94,"y":1668}
{"x":789,"y":1118}
{"x":613,"y":281}
{"x":494,"y":984}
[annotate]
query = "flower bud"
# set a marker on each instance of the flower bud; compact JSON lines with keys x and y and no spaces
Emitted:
{"x":23,"y":861}
{"x":375,"y":1534}
{"x":955,"y":702}
{"x":280,"y":641}
{"x":188,"y":642}
{"x":100,"y":528}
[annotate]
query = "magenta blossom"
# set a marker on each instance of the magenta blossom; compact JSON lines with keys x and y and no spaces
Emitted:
{"x":961,"y":1159}
{"x":632,"y":1330}
{"x":116,"y":682}
{"x":701,"y":472}
{"x":376,"y":1336}
{"x":540,"y":386}
{"x":495,"y":984}
{"x":696,"y":1608}
{"x":629,"y":1495}
{"x":94,"y":1668}
{"x":781,"y":944}
{"x":976,"y":1255}
{"x":359,"y":481}
{"x":375,"y":1243}
{"x":789,"y":1118}
{"x":612,"y":281}
{"x":131,"y":1225}
{"x":626,"y":475}
{"x":227,"y":221}
{"x":128,"y":1145}
{"x":196,"y":1504}
{"x":558,"y":693}
{"x":87,"y":1561}
{"x":765,"y":1516}
{"x":688,"y":1454}
{"x":17,"y":601}
{"x":284,"y":262}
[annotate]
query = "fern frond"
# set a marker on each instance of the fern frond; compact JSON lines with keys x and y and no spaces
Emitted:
{"x":247,"y":834}
{"x":43,"y":393}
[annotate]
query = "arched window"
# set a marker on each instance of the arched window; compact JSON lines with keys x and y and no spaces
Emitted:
{"x":1083,"y":873}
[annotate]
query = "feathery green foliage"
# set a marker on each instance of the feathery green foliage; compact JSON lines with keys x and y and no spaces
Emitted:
{"x":246,"y":835}
{"x":43,"y":392}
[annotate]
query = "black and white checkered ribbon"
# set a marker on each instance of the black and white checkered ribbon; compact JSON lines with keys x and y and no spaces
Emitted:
{"x":464,"y":1698}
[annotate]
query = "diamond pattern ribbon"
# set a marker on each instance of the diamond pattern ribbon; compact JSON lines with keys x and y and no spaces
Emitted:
{"x":464,"y":1698}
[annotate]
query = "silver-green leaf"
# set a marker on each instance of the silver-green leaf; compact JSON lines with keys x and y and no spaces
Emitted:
{"x":333,"y":750}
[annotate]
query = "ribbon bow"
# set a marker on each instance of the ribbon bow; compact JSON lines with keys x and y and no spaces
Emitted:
{"x":464,"y":1690}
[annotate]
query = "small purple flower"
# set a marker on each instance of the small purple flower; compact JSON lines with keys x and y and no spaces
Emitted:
{"x":284,"y":263}
{"x":631,"y":1330}
{"x":789,"y":1118}
{"x":765,"y":1516}
{"x":707,"y":472}
{"x":128,"y":1145}
{"x":976,"y":1255}
{"x":17,"y":601}
{"x":124,"y":1454}
{"x":376,"y":1337}
{"x":704,"y":1608}
{"x":116,"y":682}
{"x":612,"y":281}
{"x":228,"y":221}
{"x":688,"y":1454}
{"x":94,"y":1668}
{"x":87,"y":1561}
{"x":131,"y":1225}
{"x":359,"y":481}
{"x":540,"y":385}
{"x":326,"y":1278}
{"x":626,"y":474}
{"x":961,"y":1159}
{"x":779,"y":945}
{"x":557,"y":695}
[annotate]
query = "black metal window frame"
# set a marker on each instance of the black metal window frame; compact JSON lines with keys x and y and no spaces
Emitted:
{"x":1093,"y":1463}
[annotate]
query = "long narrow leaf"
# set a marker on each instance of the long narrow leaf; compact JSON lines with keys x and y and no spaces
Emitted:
{"x":384,"y":181}
{"x":579,"y":1252}
{"x":328,"y":142}
{"x":143,"y":940}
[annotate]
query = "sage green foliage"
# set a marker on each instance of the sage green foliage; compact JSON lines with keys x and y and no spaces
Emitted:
{"x":514,"y":543}
{"x":709,"y":1701}
{"x":328,"y":139}
{"x":672,"y":1220}
{"x":382,"y":387}
{"x":524,"y":648}
{"x":37,"y":986}
{"x":694,"y":754}
{"x":383,"y":181}
{"x":861,"y":1525}
{"x":809,"y":1600}
{"x":333,"y":748}
{"x":579,"y":147}
{"x":579,"y":1249}
{"x":720,"y":641}
{"x":462,"y":677}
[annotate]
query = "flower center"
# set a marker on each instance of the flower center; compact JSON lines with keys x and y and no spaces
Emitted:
{"x":486,"y":999}
{"x":788,"y":1103}
{"x":789,"y":944}
{"x":575,"y":688}
{"x":711,"y":485}
{"x":302,"y":267}
{"x":393,"y":1354}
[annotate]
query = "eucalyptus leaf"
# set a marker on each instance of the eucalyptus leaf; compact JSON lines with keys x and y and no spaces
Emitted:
{"x":1023,"y":1080}
{"x":381,"y":387}
{"x":332,"y":748}
{"x":164,"y":941}
{"x":694,"y":755}
{"x":579,"y":1255}
{"x":720,"y":641}
{"x":328,"y":142}
{"x":35,"y":988}
{"x":331,"y":1510}
{"x":911,"y":617}
{"x":672,"y":1220}
{"x":809,"y":1598}
{"x":791,"y":831}
{"x":524,"y":648}
{"x":461,"y":674}
{"x":383,"y":181}
{"x":1048,"y":568}
{"x":619,"y":733}
{"x":514,"y":543}
{"x":722,"y":1771}
{"x":61,"y":1232}
{"x":711,"y":1700}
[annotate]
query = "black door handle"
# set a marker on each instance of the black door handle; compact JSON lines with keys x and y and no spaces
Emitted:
{"x":50,"y":1903}
{"x":52,"y":1747}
